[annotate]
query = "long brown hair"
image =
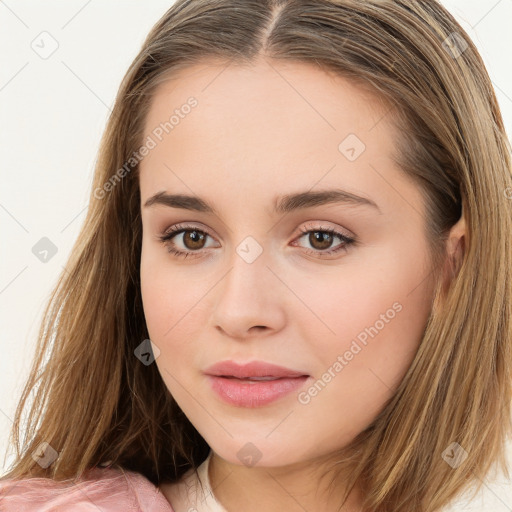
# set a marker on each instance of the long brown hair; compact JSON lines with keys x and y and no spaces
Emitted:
{"x":93,"y":401}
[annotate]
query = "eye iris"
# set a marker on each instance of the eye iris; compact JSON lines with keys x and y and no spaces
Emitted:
{"x":195,"y":236}
{"x":325,"y":239}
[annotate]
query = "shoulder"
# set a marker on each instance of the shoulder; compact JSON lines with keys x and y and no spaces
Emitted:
{"x":107,"y":489}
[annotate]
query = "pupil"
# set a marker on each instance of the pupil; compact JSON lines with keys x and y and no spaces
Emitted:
{"x":196,"y":238}
{"x":323,"y":238}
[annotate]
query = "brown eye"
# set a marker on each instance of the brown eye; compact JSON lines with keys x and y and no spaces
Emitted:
{"x":320,"y":240}
{"x":193,"y":239}
{"x":191,"y":243}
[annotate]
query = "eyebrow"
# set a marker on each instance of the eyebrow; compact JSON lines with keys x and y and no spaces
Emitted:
{"x":282,"y":204}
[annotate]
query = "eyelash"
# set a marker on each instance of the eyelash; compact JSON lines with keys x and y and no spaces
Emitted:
{"x":169,"y":234}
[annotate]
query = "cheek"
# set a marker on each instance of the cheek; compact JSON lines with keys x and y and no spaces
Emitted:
{"x":174,"y":316}
{"x":373,"y":319}
{"x":377,"y":323}
{"x":155,"y":300}
{"x":165,"y":293}
{"x":163,"y":310}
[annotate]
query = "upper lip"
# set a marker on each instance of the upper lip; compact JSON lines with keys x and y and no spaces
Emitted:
{"x":252,"y":369}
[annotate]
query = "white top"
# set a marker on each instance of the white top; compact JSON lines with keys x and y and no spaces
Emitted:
{"x":186,"y":495}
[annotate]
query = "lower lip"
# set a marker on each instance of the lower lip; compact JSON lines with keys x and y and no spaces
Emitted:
{"x":245,"y":393}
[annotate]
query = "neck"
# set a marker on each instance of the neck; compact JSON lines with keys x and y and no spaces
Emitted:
{"x":293,"y":488}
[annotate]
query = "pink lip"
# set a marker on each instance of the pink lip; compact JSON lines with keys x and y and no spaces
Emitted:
{"x":227,"y":379}
{"x":252,"y":369}
{"x":245,"y":393}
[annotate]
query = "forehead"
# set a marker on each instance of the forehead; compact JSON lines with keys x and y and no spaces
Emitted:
{"x":267,"y":125}
{"x":287,"y":88}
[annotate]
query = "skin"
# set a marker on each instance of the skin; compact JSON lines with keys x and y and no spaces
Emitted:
{"x":257,"y":132}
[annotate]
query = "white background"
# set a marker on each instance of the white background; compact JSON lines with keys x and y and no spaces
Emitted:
{"x":53,"y":114}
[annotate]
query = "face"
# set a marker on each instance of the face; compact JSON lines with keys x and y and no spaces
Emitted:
{"x":264,"y":278}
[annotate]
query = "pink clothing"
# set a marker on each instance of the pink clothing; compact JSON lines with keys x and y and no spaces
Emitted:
{"x":101,"y":489}
{"x":108,"y":489}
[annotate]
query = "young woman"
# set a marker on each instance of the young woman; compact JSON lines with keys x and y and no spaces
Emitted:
{"x":292,"y":290}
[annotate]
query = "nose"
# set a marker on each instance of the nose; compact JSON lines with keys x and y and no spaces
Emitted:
{"x":249,"y":299}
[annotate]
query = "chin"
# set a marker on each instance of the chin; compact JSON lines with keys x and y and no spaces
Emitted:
{"x":258,"y":453}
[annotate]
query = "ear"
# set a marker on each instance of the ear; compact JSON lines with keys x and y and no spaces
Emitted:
{"x":455,"y":249}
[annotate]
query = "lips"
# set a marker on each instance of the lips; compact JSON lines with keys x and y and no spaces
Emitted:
{"x":253,"y":384}
{"x":255,"y":370}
